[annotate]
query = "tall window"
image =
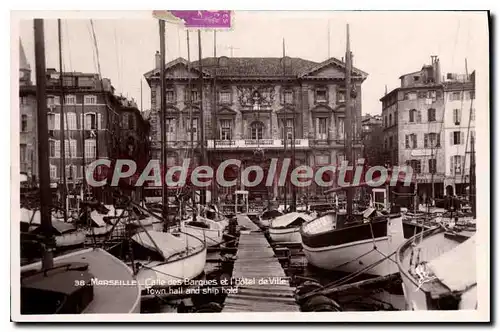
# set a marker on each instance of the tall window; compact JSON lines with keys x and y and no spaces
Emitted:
{"x":71,"y":172}
{"x":90,"y":121}
{"x":341,"y":130}
{"x":70,"y":121}
{"x":411,"y":141}
{"x":413,"y":115}
{"x":456,"y":164}
{"x":22,"y":152}
{"x":90,"y":148}
{"x":289,"y":128}
{"x":457,"y":115}
{"x":432,"y":166}
{"x":53,"y":121}
{"x":341,"y":96}
{"x":390,"y":119}
{"x":24,"y":123}
{"x":431,"y":115}
{"x":288,"y":97}
{"x":170,"y":96}
{"x":432,"y":140}
{"x":195,"y":96}
{"x":225,"y":97}
{"x":256,"y":130}
{"x":70,"y":148}
{"x":53,"y":171}
{"x":416,"y":166}
{"x":52,"y":148}
{"x":194,"y":128}
{"x":170,"y":129}
{"x":225,"y":131}
{"x":457,"y":138}
{"x":70,"y":99}
{"x":90,"y":100}
{"x":321,"y":132}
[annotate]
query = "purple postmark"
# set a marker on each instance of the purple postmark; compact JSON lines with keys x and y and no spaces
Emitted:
{"x":218,"y":19}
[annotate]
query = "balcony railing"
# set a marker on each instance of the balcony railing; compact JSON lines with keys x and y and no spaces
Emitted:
{"x":253,"y":143}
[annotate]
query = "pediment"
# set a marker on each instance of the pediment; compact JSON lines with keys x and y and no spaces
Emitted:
{"x":226,"y":111}
{"x":285,"y":110}
{"x":332,"y":69}
{"x":322,"y":109}
{"x":195,"y":109}
{"x":177,"y":68}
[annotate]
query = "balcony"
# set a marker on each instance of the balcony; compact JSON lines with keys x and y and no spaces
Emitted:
{"x":253,"y":144}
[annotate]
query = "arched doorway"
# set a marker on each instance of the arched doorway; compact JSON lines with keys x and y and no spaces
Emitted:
{"x":449,"y":190}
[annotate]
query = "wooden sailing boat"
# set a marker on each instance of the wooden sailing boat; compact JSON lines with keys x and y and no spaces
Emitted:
{"x":49,"y":287}
{"x":348,"y":242}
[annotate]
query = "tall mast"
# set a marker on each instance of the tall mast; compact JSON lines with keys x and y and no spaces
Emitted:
{"x":285,"y":134}
{"x":164,"y":197}
{"x":214,"y":114}
{"x":348,"y":117}
{"x":43,"y":143}
{"x":189,"y":101}
{"x":61,"y":125}
{"x":472,"y":182}
{"x":202,"y":121}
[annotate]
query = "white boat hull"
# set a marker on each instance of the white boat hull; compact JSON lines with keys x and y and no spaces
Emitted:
{"x":285,"y":234}
{"x":343,"y":257}
{"x":170,"y":274}
{"x":211,"y":237}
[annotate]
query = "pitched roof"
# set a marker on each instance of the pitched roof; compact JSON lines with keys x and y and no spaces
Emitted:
{"x":258,"y":67}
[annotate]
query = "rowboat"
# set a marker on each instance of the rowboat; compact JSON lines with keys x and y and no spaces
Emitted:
{"x":203,"y":228}
{"x":438,"y":270}
{"x":286,"y":228}
{"x":266,"y":217}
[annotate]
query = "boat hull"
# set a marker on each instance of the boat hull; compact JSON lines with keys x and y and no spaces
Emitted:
{"x":154,"y":275}
{"x":285,"y":234}
{"x":353,"y":257}
{"x":212,"y":237}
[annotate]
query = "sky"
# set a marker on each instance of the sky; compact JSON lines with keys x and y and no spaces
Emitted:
{"x":384,"y":44}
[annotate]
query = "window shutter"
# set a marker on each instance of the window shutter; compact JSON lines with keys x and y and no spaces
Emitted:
{"x":451,"y":138}
{"x":426,"y":138}
{"x":57,"y":121}
{"x":99,"y":119}
{"x":57,"y":149}
{"x":462,"y":139}
{"x":419,"y":116}
{"x":438,"y":140}
{"x":407,"y":142}
{"x":452,"y":166}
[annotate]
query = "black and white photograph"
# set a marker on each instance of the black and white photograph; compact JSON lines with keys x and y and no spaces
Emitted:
{"x":227,"y":165}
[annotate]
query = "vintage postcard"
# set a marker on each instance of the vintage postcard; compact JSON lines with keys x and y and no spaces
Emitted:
{"x":224,"y":165}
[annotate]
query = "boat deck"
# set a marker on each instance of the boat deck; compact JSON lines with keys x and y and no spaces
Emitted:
{"x":105,"y":267}
{"x":256,"y":261}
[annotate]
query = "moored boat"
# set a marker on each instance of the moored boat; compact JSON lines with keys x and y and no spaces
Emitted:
{"x":286,"y":228}
{"x":332,"y":244}
{"x":266,"y":217}
{"x":438,"y":270}
{"x":209,"y":231}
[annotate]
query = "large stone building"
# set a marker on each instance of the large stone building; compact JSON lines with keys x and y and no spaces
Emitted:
{"x":413,"y":120}
{"x":249,"y":106}
{"x":459,"y":130}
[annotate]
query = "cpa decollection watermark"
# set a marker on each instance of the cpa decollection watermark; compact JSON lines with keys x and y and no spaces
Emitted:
{"x":250,"y":176}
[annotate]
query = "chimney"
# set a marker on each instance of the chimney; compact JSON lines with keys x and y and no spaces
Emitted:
{"x":437,"y":72}
{"x":157,"y":60}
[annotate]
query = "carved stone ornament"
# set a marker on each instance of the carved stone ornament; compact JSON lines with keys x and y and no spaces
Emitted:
{"x":248,"y":96}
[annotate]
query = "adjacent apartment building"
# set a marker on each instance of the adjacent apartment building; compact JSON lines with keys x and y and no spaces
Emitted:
{"x":253,"y":110}
{"x":428,"y":124}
